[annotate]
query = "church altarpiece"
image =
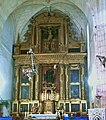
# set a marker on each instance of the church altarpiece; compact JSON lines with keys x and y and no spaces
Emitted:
{"x":60,"y":63}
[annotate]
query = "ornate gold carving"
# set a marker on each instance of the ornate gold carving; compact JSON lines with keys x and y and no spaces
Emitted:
{"x":82,"y":79}
{"x":50,"y":50}
{"x":52,"y":58}
{"x":37,"y":84}
{"x":67,"y":82}
{"x":61,"y":82}
{"x":17,"y":82}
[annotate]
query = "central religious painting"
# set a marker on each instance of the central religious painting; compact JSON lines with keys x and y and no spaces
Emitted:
{"x":49,"y":39}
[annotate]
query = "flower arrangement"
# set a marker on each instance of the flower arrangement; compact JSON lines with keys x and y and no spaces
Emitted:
{"x":61,"y":107}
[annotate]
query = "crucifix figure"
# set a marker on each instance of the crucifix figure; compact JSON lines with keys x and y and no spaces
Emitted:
{"x":50,"y":39}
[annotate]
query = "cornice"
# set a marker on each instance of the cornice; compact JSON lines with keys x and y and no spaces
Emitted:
{"x":59,"y":58}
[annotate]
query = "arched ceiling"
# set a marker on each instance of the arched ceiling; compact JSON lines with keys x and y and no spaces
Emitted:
{"x":28,"y":9}
{"x":21,"y":11}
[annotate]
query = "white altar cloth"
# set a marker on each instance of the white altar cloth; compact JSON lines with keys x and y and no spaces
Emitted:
{"x":43,"y":116}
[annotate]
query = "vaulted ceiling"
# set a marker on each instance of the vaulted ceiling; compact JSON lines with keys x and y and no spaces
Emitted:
{"x":18,"y":12}
{"x":15,"y":15}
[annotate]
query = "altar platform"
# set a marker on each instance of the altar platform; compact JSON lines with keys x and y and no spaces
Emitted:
{"x":42,"y":117}
{"x":54,"y":117}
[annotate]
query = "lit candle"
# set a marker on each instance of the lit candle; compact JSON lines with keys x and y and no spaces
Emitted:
{"x":25,"y":114}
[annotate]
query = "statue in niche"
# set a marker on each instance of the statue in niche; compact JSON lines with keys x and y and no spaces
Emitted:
{"x":49,"y":75}
{"x":50,"y":39}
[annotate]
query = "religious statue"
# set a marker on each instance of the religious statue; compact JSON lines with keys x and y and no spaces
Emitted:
{"x":50,"y":39}
{"x":49,"y":75}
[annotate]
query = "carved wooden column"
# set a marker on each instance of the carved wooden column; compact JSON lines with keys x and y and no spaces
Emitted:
{"x":66,"y":36}
{"x":66,"y":32}
{"x":67,"y":82}
{"x":61,"y":81}
{"x":64,"y":82}
{"x":37,"y":33}
{"x":39,"y":39}
{"x":31,"y":88}
{"x":33,"y":30}
{"x":36,"y":37}
{"x":82,"y":79}
{"x":17,"y":82}
{"x":62,"y":37}
{"x":62,"y":33}
{"x":59,"y":40}
{"x":37,"y":84}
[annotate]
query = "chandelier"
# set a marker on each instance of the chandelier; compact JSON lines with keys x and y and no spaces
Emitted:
{"x":29,"y":70}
